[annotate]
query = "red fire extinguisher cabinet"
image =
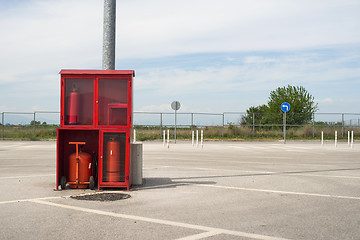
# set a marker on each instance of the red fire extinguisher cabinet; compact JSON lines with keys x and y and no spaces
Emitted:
{"x":96,"y":108}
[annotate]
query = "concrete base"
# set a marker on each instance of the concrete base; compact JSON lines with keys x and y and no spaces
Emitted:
{"x":136,"y":163}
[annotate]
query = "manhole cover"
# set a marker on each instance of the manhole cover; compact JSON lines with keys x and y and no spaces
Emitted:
{"x":101,"y":196}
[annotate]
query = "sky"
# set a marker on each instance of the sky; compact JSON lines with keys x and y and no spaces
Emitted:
{"x":211,"y":56}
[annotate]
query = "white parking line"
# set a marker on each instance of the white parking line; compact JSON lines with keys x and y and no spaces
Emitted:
{"x":160,"y":221}
{"x":31,"y":199}
{"x":28,"y":176}
{"x":281,"y":192}
{"x":305,"y":174}
{"x":201,"y":235}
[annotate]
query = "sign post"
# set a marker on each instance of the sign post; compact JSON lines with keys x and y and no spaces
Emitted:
{"x":285,"y":107}
{"x":175,"y":105}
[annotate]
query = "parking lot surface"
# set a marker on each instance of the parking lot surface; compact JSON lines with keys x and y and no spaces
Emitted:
{"x":225,"y":190}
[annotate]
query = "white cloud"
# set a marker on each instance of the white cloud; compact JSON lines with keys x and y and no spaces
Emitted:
{"x":155,"y":108}
{"x":41,"y":37}
{"x":326,"y":101}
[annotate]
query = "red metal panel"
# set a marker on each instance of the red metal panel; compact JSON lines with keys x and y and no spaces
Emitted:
{"x":97,"y":72}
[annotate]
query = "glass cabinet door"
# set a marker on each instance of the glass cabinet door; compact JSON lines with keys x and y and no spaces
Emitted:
{"x":113,"y":102}
{"x":79,"y":98}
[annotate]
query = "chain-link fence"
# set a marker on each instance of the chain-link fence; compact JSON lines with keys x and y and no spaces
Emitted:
{"x":30,"y":124}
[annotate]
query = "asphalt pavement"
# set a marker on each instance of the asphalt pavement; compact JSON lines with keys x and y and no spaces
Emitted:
{"x":223,"y":190}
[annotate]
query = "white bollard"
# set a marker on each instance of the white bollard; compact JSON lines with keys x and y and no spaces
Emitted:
{"x":168,"y":138}
{"x":134,"y":140}
{"x":164,"y":138}
{"x":197,"y":138}
{"x":349,"y":138}
{"x":202,"y":138}
{"x":192,"y":138}
{"x":352,"y":139}
{"x":322,"y":137}
{"x":335,"y":138}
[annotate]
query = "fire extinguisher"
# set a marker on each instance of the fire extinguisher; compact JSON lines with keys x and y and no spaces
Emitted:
{"x":73,"y":116}
{"x":113,"y":161}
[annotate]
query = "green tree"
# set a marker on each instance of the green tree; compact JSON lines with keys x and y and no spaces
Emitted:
{"x":36,"y":123}
{"x":254,"y":112}
{"x":301,"y":112}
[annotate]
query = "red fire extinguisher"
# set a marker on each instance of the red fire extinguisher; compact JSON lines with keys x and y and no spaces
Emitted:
{"x":73,"y":107}
{"x":113,"y":161}
{"x":79,"y":168}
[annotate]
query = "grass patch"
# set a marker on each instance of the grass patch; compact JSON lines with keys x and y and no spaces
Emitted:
{"x":144,"y":133}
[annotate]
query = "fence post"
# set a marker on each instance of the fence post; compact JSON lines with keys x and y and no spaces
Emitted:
{"x":161,"y":124}
{"x":313,"y":125}
{"x":192,"y":121}
{"x":223,"y":124}
{"x":3,"y":124}
{"x":343,"y":123}
{"x":253,"y":124}
{"x":34,"y":121}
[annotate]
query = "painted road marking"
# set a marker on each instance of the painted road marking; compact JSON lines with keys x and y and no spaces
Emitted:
{"x":295,"y":173}
{"x":160,"y":221}
{"x":32,"y":199}
{"x":29,"y":176}
{"x":201,"y":235}
{"x":281,"y":192}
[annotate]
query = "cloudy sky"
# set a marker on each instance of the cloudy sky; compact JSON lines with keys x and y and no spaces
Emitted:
{"x":211,"y":55}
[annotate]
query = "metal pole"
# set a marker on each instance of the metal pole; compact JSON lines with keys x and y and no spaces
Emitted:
{"x":253,"y":124}
{"x":160,"y":124}
{"x":342,"y":127}
{"x":223,"y":123}
{"x":34,"y":122}
{"x":109,"y":35}
{"x":3,"y":124}
{"x":313,"y":125}
{"x":284,"y":123}
{"x":192,"y":121}
{"x":175,"y":125}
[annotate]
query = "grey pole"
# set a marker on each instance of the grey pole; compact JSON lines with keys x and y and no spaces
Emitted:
{"x":284,"y":123}
{"x":175,"y":125}
{"x":3,"y":123}
{"x":253,"y":124}
{"x":342,"y":128}
{"x":192,"y":121}
{"x":34,"y":121}
{"x":313,"y":125}
{"x":161,"y":125}
{"x":223,"y":123}
{"x":109,"y":35}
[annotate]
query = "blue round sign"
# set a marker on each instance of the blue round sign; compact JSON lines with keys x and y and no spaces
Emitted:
{"x":285,"y":107}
